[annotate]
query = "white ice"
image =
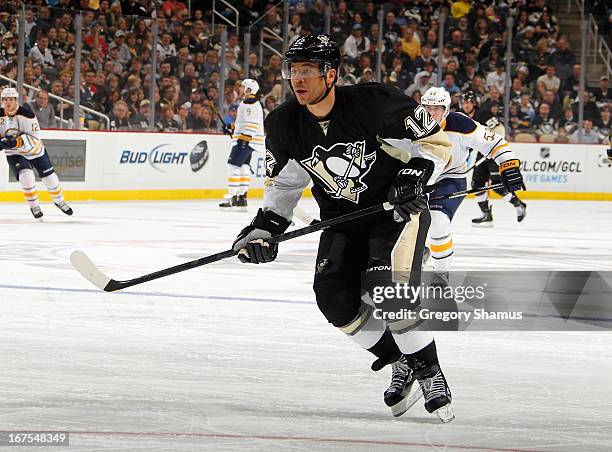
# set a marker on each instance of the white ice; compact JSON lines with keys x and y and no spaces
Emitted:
{"x":236,"y":357}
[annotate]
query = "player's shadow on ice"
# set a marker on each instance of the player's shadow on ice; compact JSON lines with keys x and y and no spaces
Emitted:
{"x":295,"y":411}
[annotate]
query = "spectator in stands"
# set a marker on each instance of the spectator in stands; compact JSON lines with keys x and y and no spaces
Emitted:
{"x":518,"y":120}
{"x":426,"y":56}
{"x":526,"y":106}
{"x":544,"y":124}
{"x":166,"y":48}
{"x":124,"y":54}
{"x":497,"y":78}
{"x":393,"y":52}
{"x":140,"y":120}
{"x":571,"y":84}
{"x":604,"y":123}
{"x":355,"y":45}
{"x":550,"y":80}
{"x":591,"y":111}
{"x":119,"y":118}
{"x":556,"y":109}
{"x":603,"y":94}
{"x":589,"y":136}
{"x":421,"y":83}
{"x":547,"y":26}
{"x":449,"y":84}
{"x":167,"y":123}
{"x":563,"y":58}
{"x":569,"y":122}
{"x":269,"y":105}
{"x":208,"y":121}
{"x":411,"y":46}
{"x":41,"y":54}
{"x":43,"y":110}
{"x":516,"y":90}
{"x":391,"y":30}
{"x":494,"y":99}
{"x":316,"y":16}
{"x":540,"y":58}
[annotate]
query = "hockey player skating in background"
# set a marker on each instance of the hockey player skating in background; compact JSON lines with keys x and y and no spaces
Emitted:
{"x":25,"y":151}
{"x":248,"y":136}
{"x":362,"y":145}
{"x":487,"y":171}
{"x":465,"y":134}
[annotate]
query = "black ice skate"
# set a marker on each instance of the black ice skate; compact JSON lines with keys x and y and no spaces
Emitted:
{"x":484,"y":221}
{"x":37,"y":212}
{"x":64,"y":207}
{"x":437,"y":394}
{"x":241,"y":203}
{"x":521,"y":211}
{"x":397,"y":395}
{"x":229,"y":204}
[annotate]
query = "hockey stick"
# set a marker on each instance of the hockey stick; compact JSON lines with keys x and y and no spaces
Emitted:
{"x":226,"y":130}
{"x":81,"y":262}
{"x":306,"y":218}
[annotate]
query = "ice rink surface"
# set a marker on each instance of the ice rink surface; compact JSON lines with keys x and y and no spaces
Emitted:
{"x":234,"y":357}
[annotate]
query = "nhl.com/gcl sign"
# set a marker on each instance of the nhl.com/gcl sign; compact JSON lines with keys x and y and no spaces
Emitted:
{"x":158,"y":157}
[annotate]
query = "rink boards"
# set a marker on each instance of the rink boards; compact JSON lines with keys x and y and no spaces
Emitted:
{"x":140,"y":166}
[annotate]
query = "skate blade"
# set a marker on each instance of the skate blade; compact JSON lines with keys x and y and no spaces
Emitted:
{"x":445,"y":413}
{"x":483,"y":225}
{"x":406,"y":403}
{"x":240,"y":209}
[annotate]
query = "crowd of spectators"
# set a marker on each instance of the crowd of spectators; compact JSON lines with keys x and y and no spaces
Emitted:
{"x":117,"y":42}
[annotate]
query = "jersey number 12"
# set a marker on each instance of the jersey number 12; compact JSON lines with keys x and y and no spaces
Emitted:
{"x":427,"y":123}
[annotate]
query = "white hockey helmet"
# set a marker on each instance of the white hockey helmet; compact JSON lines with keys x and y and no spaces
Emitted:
{"x":10,"y":92}
{"x":250,"y":84}
{"x":439,"y":97}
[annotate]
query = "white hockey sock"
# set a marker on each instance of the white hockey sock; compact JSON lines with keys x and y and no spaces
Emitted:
{"x":413,"y":340}
{"x":53,"y":186}
{"x":365,"y":329}
{"x":441,"y":241}
{"x":245,"y":179}
{"x":27,"y":180}
{"x":233,"y":179}
{"x":482,"y":197}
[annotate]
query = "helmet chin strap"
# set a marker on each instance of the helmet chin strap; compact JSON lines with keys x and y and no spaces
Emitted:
{"x":325,"y":94}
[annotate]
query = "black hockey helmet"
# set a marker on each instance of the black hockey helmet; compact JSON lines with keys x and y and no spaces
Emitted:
{"x":470,"y":96}
{"x":319,"y":48}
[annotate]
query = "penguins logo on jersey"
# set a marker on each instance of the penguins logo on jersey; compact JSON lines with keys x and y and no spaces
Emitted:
{"x":341,"y":168}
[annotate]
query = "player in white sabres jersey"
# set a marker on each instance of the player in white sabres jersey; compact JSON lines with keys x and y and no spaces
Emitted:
{"x":25,"y":152}
{"x":248,"y":136}
{"x":465,"y":134}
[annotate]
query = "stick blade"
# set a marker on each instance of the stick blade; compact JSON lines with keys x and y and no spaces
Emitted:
{"x":83,"y":264}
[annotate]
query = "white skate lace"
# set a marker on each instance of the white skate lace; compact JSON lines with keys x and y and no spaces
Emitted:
{"x":434,"y":387}
{"x":399,"y":376}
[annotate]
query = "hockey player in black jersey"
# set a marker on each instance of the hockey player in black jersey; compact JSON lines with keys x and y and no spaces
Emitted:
{"x":488,"y":171}
{"x":361,"y":145}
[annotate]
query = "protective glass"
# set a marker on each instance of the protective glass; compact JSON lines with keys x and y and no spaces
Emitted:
{"x":302,"y":70}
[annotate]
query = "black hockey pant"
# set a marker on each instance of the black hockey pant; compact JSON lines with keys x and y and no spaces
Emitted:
{"x":353,"y":262}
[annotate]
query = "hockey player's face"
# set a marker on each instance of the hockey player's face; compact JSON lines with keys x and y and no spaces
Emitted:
{"x":307,"y":82}
{"x":9,"y":104}
{"x":436,"y":112}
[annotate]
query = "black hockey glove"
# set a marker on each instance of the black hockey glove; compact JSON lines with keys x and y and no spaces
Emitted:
{"x":511,"y":175}
{"x":9,"y":142}
{"x":252,"y":240}
{"x":227,"y":131}
{"x":407,"y":194}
